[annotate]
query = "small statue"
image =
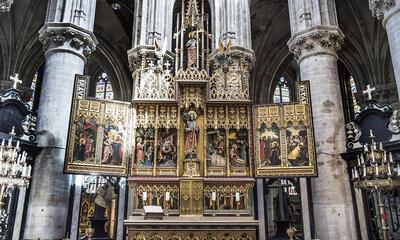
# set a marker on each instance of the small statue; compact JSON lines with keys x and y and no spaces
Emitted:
{"x":191,"y":134}
{"x":191,"y":53}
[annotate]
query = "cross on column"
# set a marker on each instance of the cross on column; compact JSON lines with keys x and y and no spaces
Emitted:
{"x":15,"y":79}
{"x":369,"y":91}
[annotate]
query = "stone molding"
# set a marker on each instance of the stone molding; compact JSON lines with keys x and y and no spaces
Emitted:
{"x":67,"y":37}
{"x":380,"y":7}
{"x":316,"y":40}
{"x":5,"y":5}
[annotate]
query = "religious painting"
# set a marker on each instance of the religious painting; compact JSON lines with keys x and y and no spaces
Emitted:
{"x":166,"y":148}
{"x":269,"y":145}
{"x":98,"y":134}
{"x":238,"y":148}
{"x":145,"y":147}
{"x":216,"y":148}
{"x":113,"y":144}
{"x":284,"y":137}
{"x":85,"y":144}
{"x":296,"y":140}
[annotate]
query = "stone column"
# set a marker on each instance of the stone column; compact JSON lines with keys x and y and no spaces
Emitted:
{"x":76,"y":210}
{"x":121,"y":209}
{"x":67,"y":39}
{"x":389,"y":10}
{"x":315,"y":40}
{"x":262,"y":234}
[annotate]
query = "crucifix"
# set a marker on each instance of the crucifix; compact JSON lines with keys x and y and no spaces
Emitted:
{"x":369,"y":91}
{"x":15,"y":79}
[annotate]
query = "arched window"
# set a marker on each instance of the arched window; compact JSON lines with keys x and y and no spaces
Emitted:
{"x":282,"y":91}
{"x":104,"y":88}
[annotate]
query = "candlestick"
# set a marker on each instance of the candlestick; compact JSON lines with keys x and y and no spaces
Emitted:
{"x":237,"y":196}
{"x":167,"y":196}
{"x":144,"y":196}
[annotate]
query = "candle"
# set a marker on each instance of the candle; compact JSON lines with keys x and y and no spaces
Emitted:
{"x":364,"y":171}
{"x":380,"y":146}
{"x":389,"y":167}
{"x":362,"y":159}
{"x":353,"y":173}
{"x":13,"y":130}
{"x":13,"y":168}
{"x":23,"y":171}
{"x":2,"y":143}
{"x":214,"y":196}
{"x":390,"y":157}
{"x":366,"y":147}
{"x":167,"y":196}
{"x":398,"y":169}
{"x":237,"y":196}
{"x":376,"y":170}
{"x":356,"y":172}
{"x":29,"y":170}
{"x":9,"y":142}
{"x":373,"y":156}
{"x":358,"y":160}
{"x":144,"y":196}
{"x":17,"y":144}
{"x":384,"y":156}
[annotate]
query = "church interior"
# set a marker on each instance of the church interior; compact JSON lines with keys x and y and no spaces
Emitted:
{"x":200,"y":119}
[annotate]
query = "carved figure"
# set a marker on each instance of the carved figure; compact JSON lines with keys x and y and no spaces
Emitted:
{"x":191,"y":53}
{"x":139,"y":152}
{"x":191,"y":134}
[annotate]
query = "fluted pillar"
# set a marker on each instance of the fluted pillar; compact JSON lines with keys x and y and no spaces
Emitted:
{"x":315,"y":40}
{"x":68,"y":39}
{"x":389,"y":11}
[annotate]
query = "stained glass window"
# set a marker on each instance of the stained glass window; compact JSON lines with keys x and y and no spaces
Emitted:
{"x":282,"y":91}
{"x":104,"y":88}
{"x":33,"y":89}
{"x":354,"y":91}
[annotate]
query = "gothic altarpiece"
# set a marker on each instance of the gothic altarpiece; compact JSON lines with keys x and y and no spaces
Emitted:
{"x":188,"y":136}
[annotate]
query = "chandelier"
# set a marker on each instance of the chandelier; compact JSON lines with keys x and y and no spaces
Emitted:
{"x":14,"y":173}
{"x":375,"y":170}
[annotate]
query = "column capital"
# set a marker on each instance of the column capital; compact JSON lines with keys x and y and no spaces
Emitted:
{"x":379,"y":7}
{"x":67,"y":37}
{"x":316,"y":40}
{"x":5,"y":5}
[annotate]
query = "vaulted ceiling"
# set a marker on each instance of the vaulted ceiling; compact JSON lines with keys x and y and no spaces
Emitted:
{"x":365,"y":52}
